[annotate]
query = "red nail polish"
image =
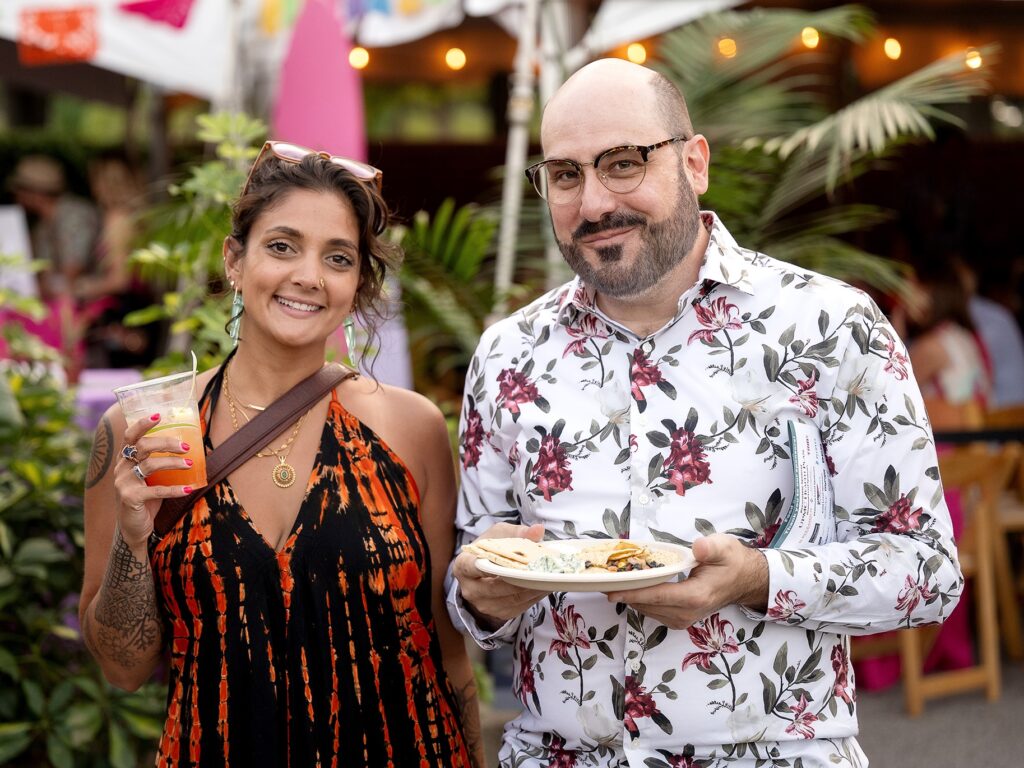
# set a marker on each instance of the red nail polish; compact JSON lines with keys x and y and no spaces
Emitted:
{"x":187,"y":490}
{"x":184,"y":446}
{"x":155,"y":417}
{"x":188,"y":462}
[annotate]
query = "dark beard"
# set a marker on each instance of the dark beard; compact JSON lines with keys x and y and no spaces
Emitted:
{"x":663,"y":246}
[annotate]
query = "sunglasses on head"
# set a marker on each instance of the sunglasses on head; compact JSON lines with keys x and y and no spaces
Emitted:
{"x":293,"y":153}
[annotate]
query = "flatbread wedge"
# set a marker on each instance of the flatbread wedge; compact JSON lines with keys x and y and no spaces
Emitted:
{"x":509,"y":552}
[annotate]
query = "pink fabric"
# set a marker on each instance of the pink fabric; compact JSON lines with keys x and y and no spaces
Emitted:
{"x":320,"y":96}
{"x":954,"y":646}
{"x":172,"y":12}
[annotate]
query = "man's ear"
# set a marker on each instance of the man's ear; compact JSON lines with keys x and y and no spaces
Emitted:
{"x":232,"y":252}
{"x":696,"y":161}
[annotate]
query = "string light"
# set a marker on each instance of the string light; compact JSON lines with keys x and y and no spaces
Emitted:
{"x":972,"y":58}
{"x":636,"y":53}
{"x":455,"y":58}
{"x":893,"y":49}
{"x":727,"y":47}
{"x":358,"y":57}
{"x":810,"y":37}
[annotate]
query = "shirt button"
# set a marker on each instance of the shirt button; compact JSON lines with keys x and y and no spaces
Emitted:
{"x":641,"y":420}
{"x":643,"y":498}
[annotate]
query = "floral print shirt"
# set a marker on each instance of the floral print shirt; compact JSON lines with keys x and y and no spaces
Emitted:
{"x":572,"y":421}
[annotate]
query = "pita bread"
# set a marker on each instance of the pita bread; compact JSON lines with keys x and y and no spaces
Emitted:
{"x":509,"y":552}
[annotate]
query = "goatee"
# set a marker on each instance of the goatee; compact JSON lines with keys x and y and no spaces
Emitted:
{"x":663,"y":245}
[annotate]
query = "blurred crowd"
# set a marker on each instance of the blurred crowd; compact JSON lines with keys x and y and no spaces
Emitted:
{"x":86,"y":282}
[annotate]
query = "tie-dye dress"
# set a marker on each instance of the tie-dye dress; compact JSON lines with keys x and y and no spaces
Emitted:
{"x":323,"y":653}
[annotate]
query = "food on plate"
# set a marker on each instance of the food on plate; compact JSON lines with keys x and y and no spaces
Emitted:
{"x":613,"y":556}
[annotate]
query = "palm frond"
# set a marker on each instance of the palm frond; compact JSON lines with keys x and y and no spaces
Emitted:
{"x":904,"y":108}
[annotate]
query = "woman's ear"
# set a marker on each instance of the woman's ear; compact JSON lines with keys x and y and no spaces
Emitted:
{"x":232,"y":251}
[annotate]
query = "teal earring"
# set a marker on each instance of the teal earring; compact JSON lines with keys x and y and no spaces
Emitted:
{"x":349,"y":328}
{"x":237,"y":307}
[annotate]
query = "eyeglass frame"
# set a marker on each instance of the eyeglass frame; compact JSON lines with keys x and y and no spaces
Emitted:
{"x":644,"y":151}
{"x":342,"y":162}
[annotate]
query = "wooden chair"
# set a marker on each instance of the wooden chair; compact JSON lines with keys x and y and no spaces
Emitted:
{"x":1009,"y":525}
{"x":976,"y":471}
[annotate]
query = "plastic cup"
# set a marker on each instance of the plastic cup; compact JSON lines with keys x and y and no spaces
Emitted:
{"x":174,"y":398}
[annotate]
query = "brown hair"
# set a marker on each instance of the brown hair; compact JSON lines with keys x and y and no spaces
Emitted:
{"x":273,"y":178}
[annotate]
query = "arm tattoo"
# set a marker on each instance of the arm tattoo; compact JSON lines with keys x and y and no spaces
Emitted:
{"x":466,"y":700}
{"x":102,"y":453}
{"x":127,"y":620}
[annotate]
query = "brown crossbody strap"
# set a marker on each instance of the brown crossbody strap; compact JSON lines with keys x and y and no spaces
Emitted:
{"x":237,"y":449}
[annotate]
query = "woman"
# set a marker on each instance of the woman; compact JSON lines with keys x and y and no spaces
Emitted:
{"x":306,"y":622}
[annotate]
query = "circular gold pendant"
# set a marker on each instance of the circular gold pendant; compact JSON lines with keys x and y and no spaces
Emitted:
{"x":284,"y":475}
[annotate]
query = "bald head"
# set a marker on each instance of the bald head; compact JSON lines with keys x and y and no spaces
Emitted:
{"x":615,"y":85}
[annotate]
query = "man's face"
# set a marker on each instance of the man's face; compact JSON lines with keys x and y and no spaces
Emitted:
{"x":622,"y":266}
{"x":621,"y":244}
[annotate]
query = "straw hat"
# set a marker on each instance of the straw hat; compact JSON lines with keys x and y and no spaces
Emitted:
{"x":38,"y":173}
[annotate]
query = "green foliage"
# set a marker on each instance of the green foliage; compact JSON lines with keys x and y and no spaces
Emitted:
{"x":55,"y":708}
{"x":185,"y":237}
{"x":780,"y":154}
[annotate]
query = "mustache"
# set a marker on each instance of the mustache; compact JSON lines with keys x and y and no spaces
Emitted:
{"x":612,"y":221}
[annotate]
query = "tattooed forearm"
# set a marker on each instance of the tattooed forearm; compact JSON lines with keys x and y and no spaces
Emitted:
{"x":102,"y":453}
{"x":466,"y":700}
{"x":127,"y":624}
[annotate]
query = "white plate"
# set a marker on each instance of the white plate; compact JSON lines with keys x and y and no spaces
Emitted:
{"x":591,"y":582}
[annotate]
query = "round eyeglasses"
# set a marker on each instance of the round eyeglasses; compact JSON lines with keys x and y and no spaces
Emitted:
{"x":620,"y":169}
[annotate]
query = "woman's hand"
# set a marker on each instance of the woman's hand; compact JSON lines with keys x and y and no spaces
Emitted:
{"x":138,"y":502}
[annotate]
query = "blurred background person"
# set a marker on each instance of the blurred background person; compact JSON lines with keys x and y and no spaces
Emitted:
{"x":1002,"y":337}
{"x":63,"y":232}
{"x":112,"y":290}
{"x":949,"y":359}
{"x":63,"y":226}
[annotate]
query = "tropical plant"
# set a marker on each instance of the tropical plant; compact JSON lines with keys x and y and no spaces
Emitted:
{"x":185,"y":236}
{"x":55,"y":708}
{"x":780,"y":153}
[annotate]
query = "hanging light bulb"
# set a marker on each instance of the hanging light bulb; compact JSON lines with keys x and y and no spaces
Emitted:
{"x":809,"y":37}
{"x":972,"y":58}
{"x":358,"y":57}
{"x":727,"y":47}
{"x":636,"y":53}
{"x":892,"y":48}
{"x":455,"y":58}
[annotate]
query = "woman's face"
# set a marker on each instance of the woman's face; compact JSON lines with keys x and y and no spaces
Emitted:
{"x":300,"y":271}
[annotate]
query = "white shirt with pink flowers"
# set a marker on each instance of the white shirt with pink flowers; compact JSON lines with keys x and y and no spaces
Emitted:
{"x":572,"y":421}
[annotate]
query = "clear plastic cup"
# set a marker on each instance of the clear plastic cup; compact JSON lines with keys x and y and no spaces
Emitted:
{"x":174,"y":398}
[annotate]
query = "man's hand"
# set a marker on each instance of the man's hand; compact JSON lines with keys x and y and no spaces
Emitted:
{"x":494,"y":601}
{"x":727,"y":573}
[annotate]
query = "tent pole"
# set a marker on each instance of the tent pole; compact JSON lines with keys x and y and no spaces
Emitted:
{"x":520,"y":109}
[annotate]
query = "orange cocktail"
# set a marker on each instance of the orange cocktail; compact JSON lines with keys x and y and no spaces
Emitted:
{"x":174,"y":398}
{"x":181,"y":423}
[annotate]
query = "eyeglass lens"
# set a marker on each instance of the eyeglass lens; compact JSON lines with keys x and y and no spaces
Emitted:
{"x":620,"y":170}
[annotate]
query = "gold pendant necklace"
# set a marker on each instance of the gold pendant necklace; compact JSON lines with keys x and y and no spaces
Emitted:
{"x":283,"y":474}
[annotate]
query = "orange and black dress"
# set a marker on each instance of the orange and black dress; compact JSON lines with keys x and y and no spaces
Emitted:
{"x":321,"y":654}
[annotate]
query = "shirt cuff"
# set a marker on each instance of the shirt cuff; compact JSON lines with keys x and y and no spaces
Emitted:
{"x":786,"y":587}
{"x":466,"y":622}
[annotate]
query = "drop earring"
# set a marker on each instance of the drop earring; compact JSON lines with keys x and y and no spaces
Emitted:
{"x":349,"y":328}
{"x":237,"y":307}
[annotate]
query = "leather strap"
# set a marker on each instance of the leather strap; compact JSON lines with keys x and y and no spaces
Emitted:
{"x":237,"y":449}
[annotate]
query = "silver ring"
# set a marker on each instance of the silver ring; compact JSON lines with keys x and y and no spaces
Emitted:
{"x":137,"y":471}
{"x":131,"y":453}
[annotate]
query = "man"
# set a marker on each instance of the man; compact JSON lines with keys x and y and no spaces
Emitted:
{"x":650,"y":398}
{"x":64,"y":229}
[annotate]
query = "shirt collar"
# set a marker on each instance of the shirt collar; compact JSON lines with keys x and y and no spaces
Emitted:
{"x":724,"y":263}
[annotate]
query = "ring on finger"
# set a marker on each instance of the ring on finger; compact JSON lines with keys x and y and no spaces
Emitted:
{"x":137,"y":471}
{"x":131,"y":453}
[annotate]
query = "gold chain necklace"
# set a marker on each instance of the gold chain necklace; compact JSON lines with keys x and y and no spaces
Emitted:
{"x":284,"y":473}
